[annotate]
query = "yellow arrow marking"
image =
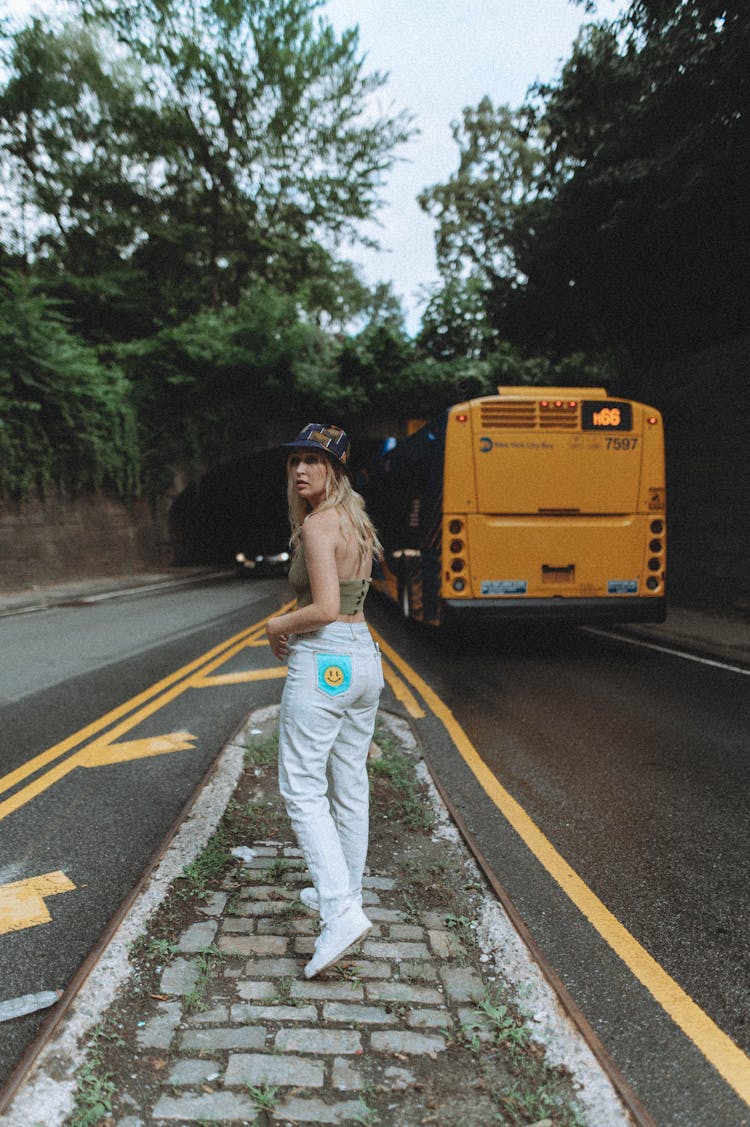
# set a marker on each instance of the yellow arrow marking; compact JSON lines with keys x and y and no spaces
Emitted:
{"x":169,"y":688}
{"x":135,"y":710}
{"x":22,"y":902}
{"x":101,"y":753}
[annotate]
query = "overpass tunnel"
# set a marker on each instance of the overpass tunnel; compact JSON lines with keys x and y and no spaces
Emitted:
{"x":239,"y":506}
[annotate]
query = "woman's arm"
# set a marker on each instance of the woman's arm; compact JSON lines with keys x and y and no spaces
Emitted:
{"x":319,"y":535}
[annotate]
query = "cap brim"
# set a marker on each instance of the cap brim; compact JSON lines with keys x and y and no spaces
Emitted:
{"x":314,"y":446}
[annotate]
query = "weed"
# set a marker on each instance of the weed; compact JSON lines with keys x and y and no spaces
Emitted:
{"x":280,"y":867}
{"x":412,"y":912}
{"x":367,"y":1117}
{"x":93,"y":1097}
{"x":264,"y":818}
{"x":262,"y":752}
{"x":395,"y":766}
{"x":528,"y":1103}
{"x":284,"y":991}
{"x":463,"y":929}
{"x":210,"y":863}
{"x":469,"y":1036}
{"x":505,"y":1027}
{"x":95,"y":1088}
{"x":264,"y":1097}
{"x":207,"y":959}
{"x":161,"y":948}
{"x":349,"y":972}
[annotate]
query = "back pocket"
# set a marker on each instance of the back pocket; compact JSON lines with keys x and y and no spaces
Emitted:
{"x":333,"y":673}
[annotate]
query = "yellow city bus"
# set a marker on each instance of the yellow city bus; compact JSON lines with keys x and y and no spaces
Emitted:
{"x":535,"y":502}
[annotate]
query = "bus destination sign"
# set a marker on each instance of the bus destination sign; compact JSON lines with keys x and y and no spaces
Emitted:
{"x":606,"y":414}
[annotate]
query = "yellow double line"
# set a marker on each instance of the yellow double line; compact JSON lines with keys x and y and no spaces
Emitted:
{"x":194,"y":675}
{"x":719,"y":1049}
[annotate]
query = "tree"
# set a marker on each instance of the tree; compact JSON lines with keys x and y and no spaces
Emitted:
{"x":609,"y":213}
{"x":649,"y":156}
{"x":499,"y":163}
{"x":66,"y":419}
{"x":179,"y":151}
{"x":183,"y":178}
{"x":454,"y":323}
{"x":274,"y":148}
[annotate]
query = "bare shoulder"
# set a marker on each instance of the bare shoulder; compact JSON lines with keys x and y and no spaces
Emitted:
{"x":321,"y":525}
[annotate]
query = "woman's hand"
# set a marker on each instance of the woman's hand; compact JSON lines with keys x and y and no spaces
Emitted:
{"x":277,"y":640}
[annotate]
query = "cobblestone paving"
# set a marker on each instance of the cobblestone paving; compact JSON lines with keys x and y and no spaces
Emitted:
{"x":394,"y":1004}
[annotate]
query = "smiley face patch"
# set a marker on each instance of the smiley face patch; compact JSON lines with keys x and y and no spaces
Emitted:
{"x":334,"y":673}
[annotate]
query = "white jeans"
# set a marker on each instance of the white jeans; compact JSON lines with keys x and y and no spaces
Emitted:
{"x":326,"y":723}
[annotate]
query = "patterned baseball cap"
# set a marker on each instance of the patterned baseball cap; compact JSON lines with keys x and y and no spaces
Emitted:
{"x":324,"y":436}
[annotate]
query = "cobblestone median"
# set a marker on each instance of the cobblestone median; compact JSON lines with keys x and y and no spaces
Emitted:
{"x":218,"y":1025}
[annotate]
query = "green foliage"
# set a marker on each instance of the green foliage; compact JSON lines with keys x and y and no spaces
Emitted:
{"x":499,"y":166}
{"x":95,"y":1088}
{"x":608,"y":214}
{"x":395,"y":766}
{"x":66,"y":418}
{"x":181,"y":176}
{"x":210,"y":863}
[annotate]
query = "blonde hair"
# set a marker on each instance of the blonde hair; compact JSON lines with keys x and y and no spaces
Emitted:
{"x":339,"y":491}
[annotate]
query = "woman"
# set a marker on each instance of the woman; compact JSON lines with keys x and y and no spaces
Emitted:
{"x":334,"y":681}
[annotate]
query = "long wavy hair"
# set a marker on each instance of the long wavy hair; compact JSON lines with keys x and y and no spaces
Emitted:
{"x":339,"y":491}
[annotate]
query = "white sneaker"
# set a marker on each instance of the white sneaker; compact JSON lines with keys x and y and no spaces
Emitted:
{"x":336,"y":938}
{"x":309,"y":898}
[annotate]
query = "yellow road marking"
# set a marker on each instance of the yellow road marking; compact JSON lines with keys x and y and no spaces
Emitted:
{"x":22,"y":902}
{"x":101,"y":753}
{"x":402,"y":692}
{"x":719,"y":1049}
{"x":150,"y":701}
{"x":239,"y":677}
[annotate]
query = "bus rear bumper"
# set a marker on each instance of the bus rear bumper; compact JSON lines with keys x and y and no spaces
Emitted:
{"x":557,"y":609}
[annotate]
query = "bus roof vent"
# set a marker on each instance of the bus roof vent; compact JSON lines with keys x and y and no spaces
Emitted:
{"x":496,"y":415}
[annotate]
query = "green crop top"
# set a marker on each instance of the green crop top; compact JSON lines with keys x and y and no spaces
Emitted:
{"x":352,"y":591}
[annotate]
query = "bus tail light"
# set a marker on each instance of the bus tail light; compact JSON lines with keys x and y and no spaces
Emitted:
{"x":655,"y":560}
{"x":459,"y":584}
{"x":455,"y":527}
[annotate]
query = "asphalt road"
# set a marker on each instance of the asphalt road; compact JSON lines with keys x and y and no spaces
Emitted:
{"x":632,"y":764}
{"x":98,"y":821}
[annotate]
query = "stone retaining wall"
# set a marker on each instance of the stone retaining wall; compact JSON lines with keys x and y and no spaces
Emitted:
{"x":53,"y":539}
{"x":705,"y":399}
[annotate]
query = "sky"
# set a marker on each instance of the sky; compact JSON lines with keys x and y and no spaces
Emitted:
{"x":441,"y":56}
